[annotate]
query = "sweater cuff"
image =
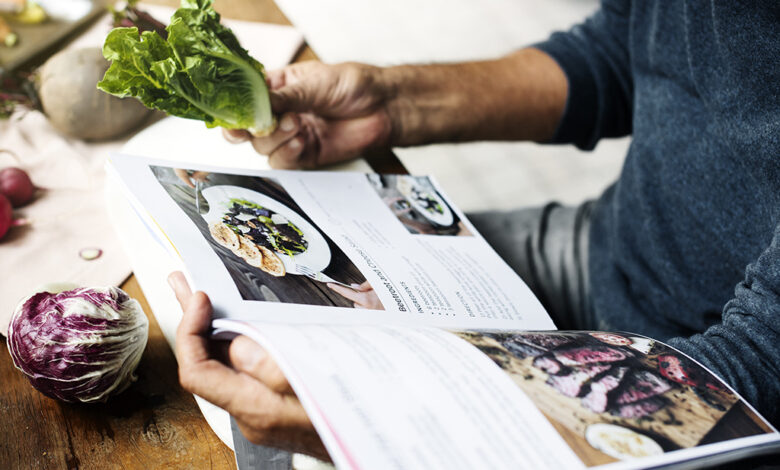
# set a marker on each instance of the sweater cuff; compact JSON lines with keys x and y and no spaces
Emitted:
{"x":576,"y":124}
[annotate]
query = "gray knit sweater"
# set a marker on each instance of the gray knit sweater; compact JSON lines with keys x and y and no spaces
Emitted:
{"x":696,"y":210}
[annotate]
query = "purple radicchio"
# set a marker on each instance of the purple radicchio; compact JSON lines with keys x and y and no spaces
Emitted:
{"x":79,"y":345}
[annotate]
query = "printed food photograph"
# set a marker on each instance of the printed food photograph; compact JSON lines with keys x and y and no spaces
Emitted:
{"x":417,"y":205}
{"x":618,"y":396}
{"x":269,"y":246}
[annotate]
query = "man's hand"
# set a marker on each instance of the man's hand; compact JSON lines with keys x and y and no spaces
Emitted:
{"x":363,"y":295}
{"x":254,"y":390}
{"x":329,"y":113}
{"x":188,"y":177}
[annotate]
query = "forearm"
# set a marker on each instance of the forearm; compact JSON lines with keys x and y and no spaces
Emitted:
{"x":519,"y":97}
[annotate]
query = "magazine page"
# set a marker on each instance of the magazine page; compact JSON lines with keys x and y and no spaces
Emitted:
{"x":621,"y":396}
{"x":303,"y":247}
{"x":395,"y":397}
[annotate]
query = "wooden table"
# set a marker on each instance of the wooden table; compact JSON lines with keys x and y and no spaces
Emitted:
{"x":155,"y":424}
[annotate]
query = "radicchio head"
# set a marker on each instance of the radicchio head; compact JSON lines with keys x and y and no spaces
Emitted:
{"x":78,"y":345}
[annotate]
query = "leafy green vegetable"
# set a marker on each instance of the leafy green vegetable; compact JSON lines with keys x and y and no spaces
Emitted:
{"x":200,"y":72}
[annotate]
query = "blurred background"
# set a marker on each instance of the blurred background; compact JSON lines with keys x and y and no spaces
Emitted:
{"x":478,"y":176}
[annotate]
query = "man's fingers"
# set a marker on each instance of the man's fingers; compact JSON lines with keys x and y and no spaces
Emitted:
{"x":288,"y":128}
{"x":275,"y":79}
{"x":288,"y":155}
{"x":247,"y":393}
{"x":184,"y":176}
{"x":300,"y":440}
{"x":284,"y":99}
{"x":211,"y":380}
{"x":365,"y":287}
{"x":252,"y":359}
{"x":191,"y":341}
{"x":180,"y":287}
{"x":351,"y":294}
{"x":200,"y":176}
{"x":362,"y":295}
{"x":236,"y":136}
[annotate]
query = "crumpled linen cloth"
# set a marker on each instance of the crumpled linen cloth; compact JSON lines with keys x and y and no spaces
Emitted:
{"x":68,"y":213}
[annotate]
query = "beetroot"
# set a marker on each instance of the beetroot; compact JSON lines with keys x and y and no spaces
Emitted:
{"x":15,"y":185}
{"x":6,"y":215}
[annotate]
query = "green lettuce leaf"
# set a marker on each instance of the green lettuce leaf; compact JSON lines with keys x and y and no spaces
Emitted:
{"x":200,"y":72}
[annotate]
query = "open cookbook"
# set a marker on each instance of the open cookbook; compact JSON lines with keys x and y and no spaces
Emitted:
{"x":408,"y":340}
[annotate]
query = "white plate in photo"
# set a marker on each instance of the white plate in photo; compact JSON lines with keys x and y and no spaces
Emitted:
{"x":421,"y":197}
{"x":620,"y":442}
{"x":641,"y":344}
{"x":317,"y":254}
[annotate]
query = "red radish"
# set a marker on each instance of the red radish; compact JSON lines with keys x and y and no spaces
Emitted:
{"x":6,"y":215}
{"x":15,"y":185}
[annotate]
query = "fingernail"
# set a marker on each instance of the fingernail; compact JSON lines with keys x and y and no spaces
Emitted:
{"x":355,"y":286}
{"x":295,"y":144}
{"x":234,"y":136}
{"x":287,"y":123}
{"x":172,"y":281}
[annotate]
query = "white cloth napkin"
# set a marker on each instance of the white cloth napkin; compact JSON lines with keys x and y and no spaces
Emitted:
{"x":70,"y":213}
{"x":67,"y":215}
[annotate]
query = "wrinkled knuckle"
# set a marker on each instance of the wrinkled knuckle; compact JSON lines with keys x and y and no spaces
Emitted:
{"x":253,"y":434}
{"x":258,"y":428}
{"x":262,"y":145}
{"x":296,"y":94}
{"x":258,"y":437}
{"x":287,"y":156}
{"x":199,"y":297}
{"x":263,"y":421}
{"x":264,"y":362}
{"x":279,"y":380}
{"x":276,"y":162}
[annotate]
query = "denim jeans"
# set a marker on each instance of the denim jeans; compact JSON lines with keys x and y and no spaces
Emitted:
{"x":547,"y":247}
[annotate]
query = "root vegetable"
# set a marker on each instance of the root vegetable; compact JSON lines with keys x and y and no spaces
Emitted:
{"x":16,"y":186}
{"x":6,"y":216}
{"x":73,"y":104}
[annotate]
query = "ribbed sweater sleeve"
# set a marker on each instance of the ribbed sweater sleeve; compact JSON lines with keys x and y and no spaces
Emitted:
{"x":744,"y":349}
{"x":595,"y":58}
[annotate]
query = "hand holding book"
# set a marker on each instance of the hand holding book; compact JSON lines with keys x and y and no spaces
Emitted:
{"x":455,"y":370}
{"x":252,"y":388}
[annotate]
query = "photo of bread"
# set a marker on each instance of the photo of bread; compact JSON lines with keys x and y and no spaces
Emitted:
{"x":245,"y":248}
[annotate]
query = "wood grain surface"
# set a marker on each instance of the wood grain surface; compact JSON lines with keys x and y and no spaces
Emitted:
{"x":154,"y":424}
